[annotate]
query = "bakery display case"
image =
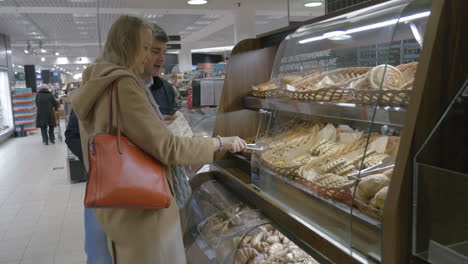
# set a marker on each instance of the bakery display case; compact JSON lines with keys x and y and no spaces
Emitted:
{"x":334,"y":120}
{"x":440,"y":233}
{"x":335,"y":113}
{"x":220,"y":228}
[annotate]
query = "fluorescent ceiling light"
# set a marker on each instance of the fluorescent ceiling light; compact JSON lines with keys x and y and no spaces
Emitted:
{"x":192,"y":28}
{"x":197,"y":2}
{"x":9,"y":52}
{"x":313,"y":4}
{"x":172,"y":52}
{"x":26,"y":51}
{"x":275,"y":17}
{"x":214,"y":49}
{"x":212,"y":16}
{"x":87,"y":15}
{"x":203,"y":22}
{"x":43,"y":50}
{"x":20,"y":66}
{"x":337,"y":35}
{"x":369,"y":27}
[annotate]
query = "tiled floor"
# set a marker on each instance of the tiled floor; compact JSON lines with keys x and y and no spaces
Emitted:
{"x":41,"y":213}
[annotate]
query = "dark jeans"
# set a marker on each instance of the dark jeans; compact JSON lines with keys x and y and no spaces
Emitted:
{"x":51,"y":134}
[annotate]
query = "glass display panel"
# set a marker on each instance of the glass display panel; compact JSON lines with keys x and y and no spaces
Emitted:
{"x":440,"y":229}
{"x":335,"y":106}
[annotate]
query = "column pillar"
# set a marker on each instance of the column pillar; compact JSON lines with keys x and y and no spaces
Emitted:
{"x":185,"y":57}
{"x":30,"y":77}
{"x":244,"y":21}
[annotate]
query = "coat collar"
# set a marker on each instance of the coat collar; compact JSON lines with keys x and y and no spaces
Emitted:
{"x":44,"y":90}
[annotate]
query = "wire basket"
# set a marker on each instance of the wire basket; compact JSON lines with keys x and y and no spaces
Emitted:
{"x":368,"y":210}
{"x":388,"y":97}
{"x":268,"y":93}
{"x":342,"y":194}
{"x":331,"y":94}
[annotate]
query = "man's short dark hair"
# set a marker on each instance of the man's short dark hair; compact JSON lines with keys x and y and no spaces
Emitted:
{"x":159,"y":33}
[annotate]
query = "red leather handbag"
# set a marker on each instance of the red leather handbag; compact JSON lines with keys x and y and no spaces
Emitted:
{"x":121,"y":175}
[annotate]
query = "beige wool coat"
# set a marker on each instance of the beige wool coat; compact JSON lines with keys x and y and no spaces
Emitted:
{"x":138,"y":236}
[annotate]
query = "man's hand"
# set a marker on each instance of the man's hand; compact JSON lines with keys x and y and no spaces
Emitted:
{"x":169,"y":117}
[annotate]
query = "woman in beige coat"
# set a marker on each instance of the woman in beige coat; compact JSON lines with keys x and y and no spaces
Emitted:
{"x":138,"y":236}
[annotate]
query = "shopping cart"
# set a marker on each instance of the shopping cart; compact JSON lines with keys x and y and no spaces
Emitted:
{"x":57,"y":125}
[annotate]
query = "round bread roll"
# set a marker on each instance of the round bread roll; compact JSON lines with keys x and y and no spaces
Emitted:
{"x":379,"y":199}
{"x":370,"y":185}
{"x":393,"y":77}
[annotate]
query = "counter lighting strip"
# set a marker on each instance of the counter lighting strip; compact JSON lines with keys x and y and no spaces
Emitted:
{"x":368,"y":27}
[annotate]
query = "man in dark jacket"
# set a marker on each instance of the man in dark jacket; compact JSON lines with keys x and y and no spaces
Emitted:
{"x":162,"y":90}
{"x":46,"y":107}
{"x":72,"y":136}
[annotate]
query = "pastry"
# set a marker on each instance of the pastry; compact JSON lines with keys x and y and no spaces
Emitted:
{"x":265,"y":86}
{"x":393,"y":78}
{"x":245,"y":255}
{"x":379,"y":199}
{"x":290,"y":78}
{"x":370,"y":185}
{"x":335,"y":78}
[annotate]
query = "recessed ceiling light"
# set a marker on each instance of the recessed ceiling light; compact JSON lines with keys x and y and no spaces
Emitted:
{"x":43,"y":50}
{"x":203,"y":22}
{"x":57,"y":54}
{"x":42,"y":59}
{"x":26,"y":51}
{"x":313,"y":4}
{"x":197,"y":2}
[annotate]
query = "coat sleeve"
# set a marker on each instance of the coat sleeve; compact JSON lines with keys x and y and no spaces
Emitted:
{"x":54,"y":102}
{"x":72,"y":136}
{"x":143,"y":127}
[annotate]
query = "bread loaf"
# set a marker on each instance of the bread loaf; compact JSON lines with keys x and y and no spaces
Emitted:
{"x":379,"y":199}
{"x":370,"y":185}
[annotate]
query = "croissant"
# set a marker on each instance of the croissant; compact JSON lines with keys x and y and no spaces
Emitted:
{"x":275,"y":249}
{"x":244,"y":255}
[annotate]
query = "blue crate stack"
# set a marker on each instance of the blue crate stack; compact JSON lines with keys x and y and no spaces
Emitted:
{"x":24,"y":108}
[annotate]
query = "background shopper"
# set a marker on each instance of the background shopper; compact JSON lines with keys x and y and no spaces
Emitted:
{"x":96,"y":248}
{"x":46,"y":107}
{"x":138,"y":236}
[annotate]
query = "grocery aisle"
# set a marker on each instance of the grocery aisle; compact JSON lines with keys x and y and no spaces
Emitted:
{"x":41,"y":213}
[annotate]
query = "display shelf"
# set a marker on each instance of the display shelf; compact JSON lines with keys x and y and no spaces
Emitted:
{"x":393,"y":116}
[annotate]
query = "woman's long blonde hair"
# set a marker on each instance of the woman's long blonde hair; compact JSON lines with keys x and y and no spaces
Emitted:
{"x":123,"y":41}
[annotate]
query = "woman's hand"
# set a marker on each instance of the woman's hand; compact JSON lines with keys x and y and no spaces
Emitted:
{"x":234,"y":144}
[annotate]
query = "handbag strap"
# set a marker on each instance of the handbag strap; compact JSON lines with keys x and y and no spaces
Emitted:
{"x":113,"y":90}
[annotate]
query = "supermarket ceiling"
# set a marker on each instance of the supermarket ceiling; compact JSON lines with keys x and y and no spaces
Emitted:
{"x":70,"y":27}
